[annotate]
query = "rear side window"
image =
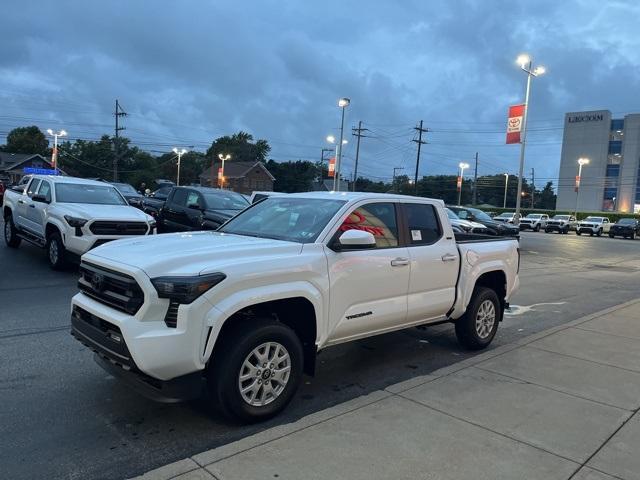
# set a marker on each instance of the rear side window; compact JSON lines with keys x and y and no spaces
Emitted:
{"x":193,"y":199}
{"x":379,"y":219}
{"x":422,"y":220}
{"x":179,"y":197}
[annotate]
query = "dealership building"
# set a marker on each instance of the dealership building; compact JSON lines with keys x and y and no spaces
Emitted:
{"x":611,"y":179}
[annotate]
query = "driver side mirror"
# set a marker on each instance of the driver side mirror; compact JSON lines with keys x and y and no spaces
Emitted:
{"x":355,"y":240}
{"x":40,"y":198}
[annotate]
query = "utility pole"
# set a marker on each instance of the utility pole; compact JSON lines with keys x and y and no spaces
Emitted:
{"x":420,"y":143}
{"x":533,"y":186}
{"x":357,"y":132}
{"x":475,"y":183}
{"x":119,"y":112}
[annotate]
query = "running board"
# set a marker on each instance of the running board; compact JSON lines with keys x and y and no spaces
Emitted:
{"x":31,"y":238}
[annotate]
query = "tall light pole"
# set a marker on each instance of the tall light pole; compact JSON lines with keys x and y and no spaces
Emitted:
{"x":54,"y":153}
{"x":526,"y":64}
{"x":331,"y":139}
{"x":581,"y":162}
{"x":223,"y":158}
{"x":342,"y":103}
{"x":179,"y":153}
{"x":463,"y":166}
{"x":506,"y":184}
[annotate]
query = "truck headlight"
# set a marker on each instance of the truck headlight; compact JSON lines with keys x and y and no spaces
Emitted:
{"x":75,"y":221}
{"x":186,"y":289}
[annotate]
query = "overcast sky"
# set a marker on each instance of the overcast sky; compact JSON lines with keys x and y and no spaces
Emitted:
{"x":188,"y":71}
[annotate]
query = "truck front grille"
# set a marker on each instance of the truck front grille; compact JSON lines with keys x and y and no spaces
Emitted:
{"x":102,"y":227}
{"x":115,"y":289}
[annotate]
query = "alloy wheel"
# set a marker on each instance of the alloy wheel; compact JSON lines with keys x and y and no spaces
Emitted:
{"x":485,"y":319}
{"x":264,"y":374}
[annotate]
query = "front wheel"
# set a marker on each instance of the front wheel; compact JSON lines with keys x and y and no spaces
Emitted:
{"x":257,"y":370}
{"x":632,"y":236}
{"x":477,"y":327}
{"x":599,"y":233}
{"x":546,"y":230}
{"x":578,"y":232}
{"x":611,"y":235}
{"x":11,"y":237}
{"x":56,"y":252}
{"x":536,"y":228}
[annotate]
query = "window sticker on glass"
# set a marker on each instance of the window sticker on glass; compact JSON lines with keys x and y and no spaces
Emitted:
{"x":416,"y":235}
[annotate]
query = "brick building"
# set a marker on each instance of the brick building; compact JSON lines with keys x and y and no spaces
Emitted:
{"x":241,"y":177}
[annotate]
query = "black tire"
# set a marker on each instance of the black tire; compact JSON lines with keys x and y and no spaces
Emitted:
{"x":536,"y":228}
{"x":632,"y":236}
{"x":578,"y":232}
{"x":611,"y":235}
{"x":565,"y":231}
{"x":546,"y":230}
{"x":56,"y":253}
{"x":599,"y":233}
{"x":467,"y":329}
{"x":11,"y":237}
{"x":227,"y":364}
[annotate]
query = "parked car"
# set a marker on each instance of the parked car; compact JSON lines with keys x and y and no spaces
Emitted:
{"x":561,"y":224}
{"x":257,"y":196}
{"x":199,"y":208}
{"x":534,"y":221}
{"x":153,"y":202}
{"x":625,"y":227}
{"x":68,"y":215}
{"x":507,"y":217}
{"x":501,"y":229}
{"x":593,"y":226}
{"x":130,"y":194}
{"x":247,"y":308}
{"x":465,"y":226}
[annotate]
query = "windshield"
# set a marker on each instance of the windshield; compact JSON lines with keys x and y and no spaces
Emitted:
{"x":93,"y":194}
{"x":451,"y":215}
{"x":534,"y":215}
{"x":225,"y":200}
{"x":626,"y":221}
{"x":125,"y":189}
{"x":505,"y":215}
{"x":292,"y":219}
{"x":480,"y":215}
{"x":562,"y":217}
{"x":593,"y":219}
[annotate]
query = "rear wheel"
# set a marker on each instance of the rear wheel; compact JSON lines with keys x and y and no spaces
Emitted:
{"x":477,"y":327}
{"x":11,"y":237}
{"x":256,"y":371}
{"x":56,"y":252}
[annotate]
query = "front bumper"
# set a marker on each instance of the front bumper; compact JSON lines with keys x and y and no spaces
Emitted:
{"x":526,"y":226}
{"x":555,"y":227}
{"x":112,"y":354}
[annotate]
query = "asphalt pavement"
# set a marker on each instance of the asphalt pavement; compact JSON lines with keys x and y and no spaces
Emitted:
{"x":64,"y":417}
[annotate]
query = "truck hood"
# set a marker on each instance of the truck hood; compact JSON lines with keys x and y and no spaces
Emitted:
{"x":191,"y":253}
{"x":104,"y":212}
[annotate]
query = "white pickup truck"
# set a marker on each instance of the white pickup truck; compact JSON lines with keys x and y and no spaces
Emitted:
{"x":243,"y":311}
{"x":69,"y":216}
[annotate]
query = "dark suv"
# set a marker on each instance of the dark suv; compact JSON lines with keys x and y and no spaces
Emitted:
{"x":199,"y":208}
{"x":502,"y":229}
{"x":625,"y":227}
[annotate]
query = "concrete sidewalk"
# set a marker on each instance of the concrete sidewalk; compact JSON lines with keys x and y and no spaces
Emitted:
{"x":561,"y":404}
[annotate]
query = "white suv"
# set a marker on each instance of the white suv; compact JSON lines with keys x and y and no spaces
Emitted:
{"x":593,"y":226}
{"x":68,"y":215}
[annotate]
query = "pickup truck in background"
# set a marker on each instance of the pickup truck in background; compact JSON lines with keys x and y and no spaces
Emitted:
{"x":153,"y":202}
{"x":507,"y":217}
{"x":198,"y":208}
{"x":561,"y":224}
{"x":593,"y":226}
{"x":534,"y":221}
{"x":243,"y":311}
{"x":68,"y":215}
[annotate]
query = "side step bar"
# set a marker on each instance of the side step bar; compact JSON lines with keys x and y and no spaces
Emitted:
{"x":31,"y":238}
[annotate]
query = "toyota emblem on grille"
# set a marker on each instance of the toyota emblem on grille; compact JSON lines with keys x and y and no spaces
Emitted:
{"x":97,"y":282}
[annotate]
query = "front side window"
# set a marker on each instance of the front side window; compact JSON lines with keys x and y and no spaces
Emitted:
{"x":179,"y":197}
{"x":422,"y":220}
{"x":281,"y":218}
{"x":193,"y":199}
{"x":225,"y":200}
{"x":379,"y":219}
{"x":90,"y":194}
{"x":33,"y":187}
{"x":45,"y":190}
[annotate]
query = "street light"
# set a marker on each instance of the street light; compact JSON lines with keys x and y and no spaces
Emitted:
{"x":224,"y":158}
{"x":462,"y":166}
{"x":581,"y":162}
{"x":54,"y":153}
{"x":342,"y":103}
{"x":526,"y":64}
{"x":506,"y":184}
{"x":179,"y":153}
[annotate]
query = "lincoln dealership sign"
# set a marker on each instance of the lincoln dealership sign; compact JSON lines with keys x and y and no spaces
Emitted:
{"x":596,"y":117}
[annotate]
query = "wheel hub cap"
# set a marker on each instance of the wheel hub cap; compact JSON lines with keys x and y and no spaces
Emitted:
{"x":264,"y":374}
{"x":485,"y":319}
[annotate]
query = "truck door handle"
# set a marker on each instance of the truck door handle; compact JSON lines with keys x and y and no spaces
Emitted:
{"x":32,"y":206}
{"x":20,"y":201}
{"x":449,"y":257}
{"x":399,"y":262}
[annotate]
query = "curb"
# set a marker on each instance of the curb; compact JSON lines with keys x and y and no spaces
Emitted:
{"x":217,"y":454}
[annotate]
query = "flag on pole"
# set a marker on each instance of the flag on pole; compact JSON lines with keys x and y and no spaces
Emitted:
{"x":54,"y":157}
{"x":459,"y":183}
{"x":219,"y":173}
{"x":514,"y":123}
{"x":332,"y":167}
{"x":577,"y":183}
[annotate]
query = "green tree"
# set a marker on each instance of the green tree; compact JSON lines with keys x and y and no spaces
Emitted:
{"x":546,"y":198}
{"x":27,"y":140}
{"x":241,"y":147}
{"x":293,"y":177}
